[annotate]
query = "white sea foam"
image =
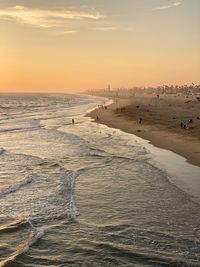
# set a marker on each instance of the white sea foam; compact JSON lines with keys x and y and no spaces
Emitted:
{"x":16,"y":187}
{"x":32,"y":239}
{"x":71,"y":210}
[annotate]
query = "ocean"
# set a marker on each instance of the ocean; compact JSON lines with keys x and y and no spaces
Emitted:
{"x":89,"y":195}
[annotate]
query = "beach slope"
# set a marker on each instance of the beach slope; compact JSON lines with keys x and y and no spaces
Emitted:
{"x":157,"y":119}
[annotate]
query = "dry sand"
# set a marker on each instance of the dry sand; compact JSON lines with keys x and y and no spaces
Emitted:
{"x":161,"y":118}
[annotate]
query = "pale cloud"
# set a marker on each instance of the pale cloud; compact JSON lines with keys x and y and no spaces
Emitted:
{"x":19,"y":7}
{"x":106,"y":28}
{"x":110,"y":28}
{"x":47,"y":18}
{"x":175,"y":4}
{"x":65,"y":32}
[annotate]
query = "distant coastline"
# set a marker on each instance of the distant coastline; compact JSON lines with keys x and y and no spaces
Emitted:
{"x":169,"y":121}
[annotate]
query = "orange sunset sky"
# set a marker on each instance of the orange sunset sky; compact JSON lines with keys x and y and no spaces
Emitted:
{"x":65,"y":46}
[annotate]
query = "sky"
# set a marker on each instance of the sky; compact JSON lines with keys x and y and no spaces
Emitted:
{"x":69,"y":46}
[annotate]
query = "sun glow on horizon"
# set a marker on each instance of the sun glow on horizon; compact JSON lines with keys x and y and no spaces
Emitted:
{"x":66,"y":47}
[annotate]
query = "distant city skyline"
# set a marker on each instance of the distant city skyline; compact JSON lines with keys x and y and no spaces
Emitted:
{"x":69,"y":46}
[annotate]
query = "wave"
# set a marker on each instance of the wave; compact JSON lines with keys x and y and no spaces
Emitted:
{"x":72,"y":209}
{"x":69,"y":184}
{"x":19,"y":129}
{"x":142,"y":157}
{"x":168,"y":179}
{"x":9,"y":227}
{"x":142,"y":256}
{"x":33,"y":237}
{"x":16,"y":187}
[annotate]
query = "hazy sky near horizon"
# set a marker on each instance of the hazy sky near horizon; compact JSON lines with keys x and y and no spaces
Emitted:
{"x":75,"y":45}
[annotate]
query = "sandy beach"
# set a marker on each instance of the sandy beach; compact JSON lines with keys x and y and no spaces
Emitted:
{"x":157,"y":119}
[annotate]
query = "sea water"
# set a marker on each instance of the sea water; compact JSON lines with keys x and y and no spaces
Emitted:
{"x":84,"y":194}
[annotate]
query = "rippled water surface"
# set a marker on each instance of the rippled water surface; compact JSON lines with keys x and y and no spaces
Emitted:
{"x":85,"y":194}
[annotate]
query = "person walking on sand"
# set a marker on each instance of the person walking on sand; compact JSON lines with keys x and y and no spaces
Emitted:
{"x":97,"y":118}
{"x":140,"y":121}
{"x":73,"y":121}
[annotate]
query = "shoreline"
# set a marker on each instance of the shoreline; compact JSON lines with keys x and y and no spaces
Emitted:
{"x":113,"y":116}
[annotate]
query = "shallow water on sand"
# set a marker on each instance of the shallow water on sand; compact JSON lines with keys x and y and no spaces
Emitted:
{"x":85,"y":194}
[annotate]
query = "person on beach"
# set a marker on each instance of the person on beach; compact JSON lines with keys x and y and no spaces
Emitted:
{"x":73,"y":121}
{"x":140,"y":121}
{"x":97,"y":118}
{"x":181,"y":124}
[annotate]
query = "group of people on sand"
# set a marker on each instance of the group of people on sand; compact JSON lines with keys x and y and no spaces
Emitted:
{"x":102,"y":106}
{"x":183,"y":125}
{"x":97,"y":118}
{"x":186,"y":125}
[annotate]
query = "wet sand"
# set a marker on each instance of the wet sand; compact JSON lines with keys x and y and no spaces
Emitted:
{"x":161,"y":118}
